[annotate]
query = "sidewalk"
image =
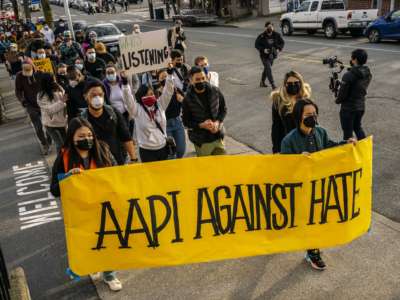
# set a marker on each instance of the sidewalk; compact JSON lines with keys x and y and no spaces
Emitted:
{"x":368,"y":268}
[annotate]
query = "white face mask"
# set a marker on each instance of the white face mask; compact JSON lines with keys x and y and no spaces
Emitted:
{"x":97,"y":102}
{"x":73,"y":83}
{"x":41,"y":55}
{"x":91,"y":56}
{"x":136,"y":30}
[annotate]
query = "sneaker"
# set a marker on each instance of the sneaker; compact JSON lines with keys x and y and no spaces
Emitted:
{"x":313,"y":257}
{"x":95,"y":276}
{"x":263,"y":85}
{"x":114,"y":284}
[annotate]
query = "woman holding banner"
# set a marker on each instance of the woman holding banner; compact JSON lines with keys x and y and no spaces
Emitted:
{"x":83,"y":151}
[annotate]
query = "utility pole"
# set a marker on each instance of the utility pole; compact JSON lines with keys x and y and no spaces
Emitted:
{"x":151,"y":10}
{"x":15,"y":9}
{"x":48,"y":14}
{"x":69,"y":19}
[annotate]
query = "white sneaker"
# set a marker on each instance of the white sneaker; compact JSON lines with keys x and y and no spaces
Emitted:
{"x":95,"y":276}
{"x":114,"y":285}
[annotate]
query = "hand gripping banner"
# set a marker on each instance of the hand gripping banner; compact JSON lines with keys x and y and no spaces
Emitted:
{"x":205,"y":209}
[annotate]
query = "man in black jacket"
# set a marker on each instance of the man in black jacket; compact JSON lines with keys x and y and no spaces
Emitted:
{"x":95,"y":66}
{"x":352,"y":94}
{"x":204,"y":111}
{"x":269,"y":43}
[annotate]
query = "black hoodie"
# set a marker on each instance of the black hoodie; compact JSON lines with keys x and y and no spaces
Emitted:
{"x":353,"y":89}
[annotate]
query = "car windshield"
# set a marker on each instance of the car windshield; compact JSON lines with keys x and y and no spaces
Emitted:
{"x":104,"y":30}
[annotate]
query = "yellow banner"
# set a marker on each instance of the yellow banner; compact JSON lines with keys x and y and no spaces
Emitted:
{"x":44,"y":65}
{"x":204,"y":209}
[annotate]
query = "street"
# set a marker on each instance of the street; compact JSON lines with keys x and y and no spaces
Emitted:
{"x":231,"y":53}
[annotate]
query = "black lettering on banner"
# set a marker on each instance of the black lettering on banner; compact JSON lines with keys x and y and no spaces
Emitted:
{"x":160,"y":56}
{"x":175,"y":213}
{"x":219,"y":209}
{"x":251,"y":203}
{"x":293,"y":187}
{"x":332,"y":187}
{"x":315,"y":201}
{"x":265,"y":204}
{"x":106,"y":207}
{"x":201,"y":193}
{"x":135,"y":61}
{"x":356,"y":192}
{"x":156,"y":229}
{"x":344,"y":176}
{"x":280,"y":206}
{"x":141,"y":56}
{"x":151,"y":57}
{"x":146,"y":57}
{"x":166,"y":54}
{"x":239,"y":199}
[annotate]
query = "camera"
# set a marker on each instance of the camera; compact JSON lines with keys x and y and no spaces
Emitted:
{"x":336,"y":67}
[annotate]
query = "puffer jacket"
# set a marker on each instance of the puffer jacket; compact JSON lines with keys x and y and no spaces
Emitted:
{"x":54,"y":113}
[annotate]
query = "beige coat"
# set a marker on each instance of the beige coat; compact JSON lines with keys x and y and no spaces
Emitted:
{"x":53,"y":111}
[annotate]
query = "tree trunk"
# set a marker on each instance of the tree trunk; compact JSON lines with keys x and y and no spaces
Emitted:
{"x":47,"y":12}
{"x":15,"y":8}
{"x":27,"y":10}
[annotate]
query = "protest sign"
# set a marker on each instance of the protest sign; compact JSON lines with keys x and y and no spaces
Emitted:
{"x":44,"y":65}
{"x":144,"y":51}
{"x":212,"y":208}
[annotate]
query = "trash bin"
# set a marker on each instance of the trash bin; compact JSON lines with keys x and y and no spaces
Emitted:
{"x":159,"y":12}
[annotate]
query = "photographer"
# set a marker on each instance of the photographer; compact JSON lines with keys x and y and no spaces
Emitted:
{"x":352,"y":94}
{"x":269,"y":43}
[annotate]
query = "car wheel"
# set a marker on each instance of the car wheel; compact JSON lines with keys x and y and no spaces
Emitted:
{"x":286,"y":28}
{"x":311,"y":31}
{"x":330,"y":30}
{"x":374,"y":36}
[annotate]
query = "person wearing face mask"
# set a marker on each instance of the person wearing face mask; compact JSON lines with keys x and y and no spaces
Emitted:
{"x":48,"y":34}
{"x":136,"y":29}
{"x":27,"y":86}
{"x":80,"y":65}
{"x":90,"y":41}
{"x":181,"y":70}
{"x":108,"y":124}
{"x":101,"y":52}
{"x":75,"y":91}
{"x":150,"y":120}
{"x":204,"y":111}
{"x":119,"y":100}
{"x":94,"y":66}
{"x":40,"y":53}
{"x":4,"y":45}
{"x":175,"y":128}
{"x":269,"y":43}
{"x":83,"y":151}
{"x":61,"y":75}
{"x":177,"y":37}
{"x":13,"y":61}
{"x":55,"y":60}
{"x":52,"y":105}
{"x":60,"y":28}
{"x":283,"y":101}
{"x":69,"y":49}
{"x":352,"y":95}
{"x":308,"y":138}
{"x":212,"y":77}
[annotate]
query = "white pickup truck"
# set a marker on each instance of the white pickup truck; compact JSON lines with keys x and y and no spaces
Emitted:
{"x":329,"y":16}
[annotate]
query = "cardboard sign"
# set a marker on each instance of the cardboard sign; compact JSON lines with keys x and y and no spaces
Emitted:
{"x":219,"y":207}
{"x":144,"y":51}
{"x":44,"y":65}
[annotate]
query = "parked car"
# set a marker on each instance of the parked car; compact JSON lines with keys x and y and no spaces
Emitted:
{"x":108,"y":34}
{"x":386,"y":27}
{"x":190,"y":17}
{"x":329,"y":16}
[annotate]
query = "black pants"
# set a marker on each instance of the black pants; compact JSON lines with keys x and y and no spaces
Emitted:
{"x":36,"y":119}
{"x":351,"y":122}
{"x":267,"y":73}
{"x":153,"y":155}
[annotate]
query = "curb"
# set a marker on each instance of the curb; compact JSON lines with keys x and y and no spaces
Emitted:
{"x":19,"y":286}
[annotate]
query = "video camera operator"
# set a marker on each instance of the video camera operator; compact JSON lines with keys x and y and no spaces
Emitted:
{"x":352,"y":94}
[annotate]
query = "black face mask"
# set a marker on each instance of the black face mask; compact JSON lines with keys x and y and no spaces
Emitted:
{"x":162,"y":82}
{"x":310,"y":121}
{"x":85,"y":144}
{"x":351,"y":63}
{"x":293,"y":88}
{"x":269,"y":30}
{"x":200,"y":85}
{"x":178,"y":65}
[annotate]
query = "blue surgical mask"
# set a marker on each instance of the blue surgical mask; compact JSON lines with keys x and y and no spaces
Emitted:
{"x":206,"y":70}
{"x":111,"y":77}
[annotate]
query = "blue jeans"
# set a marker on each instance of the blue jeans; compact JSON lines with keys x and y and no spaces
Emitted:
{"x":176,"y":130}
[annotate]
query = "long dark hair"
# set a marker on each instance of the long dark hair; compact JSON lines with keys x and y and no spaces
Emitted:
{"x":99,"y":152}
{"x":142,"y":92}
{"x":48,"y":85}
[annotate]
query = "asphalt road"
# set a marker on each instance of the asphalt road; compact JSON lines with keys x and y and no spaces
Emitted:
{"x":231,"y":52}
